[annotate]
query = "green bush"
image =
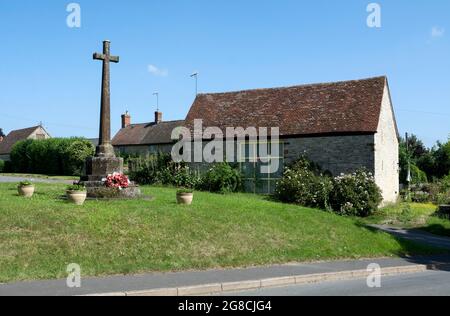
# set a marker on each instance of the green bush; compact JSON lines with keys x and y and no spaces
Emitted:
{"x":222,"y":178}
{"x":145,"y":170}
{"x":417,"y":175}
{"x":437,"y":192}
{"x":2,"y":166}
{"x":56,"y":156}
{"x":420,"y":197}
{"x":355,"y":194}
{"x":445,"y":183}
{"x":160,"y":169}
{"x":20,"y":157}
{"x":185,"y":178}
{"x":303,"y":184}
{"x":77,"y":153}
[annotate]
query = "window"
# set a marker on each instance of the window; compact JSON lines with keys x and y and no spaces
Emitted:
{"x":254,"y":158}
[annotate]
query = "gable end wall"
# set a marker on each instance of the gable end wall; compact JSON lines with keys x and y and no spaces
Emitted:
{"x":387,"y":152}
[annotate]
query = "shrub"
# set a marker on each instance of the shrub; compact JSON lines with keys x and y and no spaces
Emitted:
{"x":355,"y":195}
{"x":185,"y":178}
{"x":303,"y":184}
{"x":420,"y":197}
{"x":20,"y":158}
{"x":2,"y":166}
{"x":144,"y":170}
{"x":57,"y":156}
{"x":222,"y":178}
{"x":25,"y":184}
{"x":76,"y":154}
{"x":418,"y":176}
{"x":446,"y":183}
{"x":160,"y":169}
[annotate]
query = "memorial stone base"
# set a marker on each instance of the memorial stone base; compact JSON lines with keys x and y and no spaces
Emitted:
{"x":97,"y":169}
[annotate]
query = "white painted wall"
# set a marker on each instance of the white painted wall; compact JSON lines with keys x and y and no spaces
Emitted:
{"x":39,"y":131}
{"x":387,"y":152}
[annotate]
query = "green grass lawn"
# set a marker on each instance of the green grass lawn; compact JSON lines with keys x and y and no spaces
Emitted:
{"x":420,"y":216}
{"x":41,"y":236}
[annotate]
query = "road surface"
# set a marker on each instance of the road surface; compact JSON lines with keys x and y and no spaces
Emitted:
{"x":430,"y":283}
{"x":17,"y":179}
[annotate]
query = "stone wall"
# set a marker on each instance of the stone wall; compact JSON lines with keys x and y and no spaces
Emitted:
{"x":387,"y":152}
{"x":336,"y":154}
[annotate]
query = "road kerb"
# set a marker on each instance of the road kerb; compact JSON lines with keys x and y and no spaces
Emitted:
{"x":274,"y":282}
{"x":157,"y":292}
{"x":241,"y":286}
{"x":218,"y":288}
{"x":200,"y":290}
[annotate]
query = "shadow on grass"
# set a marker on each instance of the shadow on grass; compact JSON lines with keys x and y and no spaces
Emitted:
{"x":436,"y":259}
{"x":437,"y":229}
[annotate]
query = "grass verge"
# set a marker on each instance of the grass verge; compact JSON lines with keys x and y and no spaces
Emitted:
{"x":412,"y":215}
{"x":39,"y":237}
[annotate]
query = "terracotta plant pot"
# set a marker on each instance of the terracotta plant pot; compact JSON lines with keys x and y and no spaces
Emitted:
{"x":185,"y":198}
{"x":77,"y":197}
{"x":26,"y":191}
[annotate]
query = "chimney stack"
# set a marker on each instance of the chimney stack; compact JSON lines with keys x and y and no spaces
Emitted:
{"x":158,"y":117}
{"x":126,"y":120}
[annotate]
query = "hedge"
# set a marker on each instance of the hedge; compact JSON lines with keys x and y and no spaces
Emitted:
{"x":55,"y":156}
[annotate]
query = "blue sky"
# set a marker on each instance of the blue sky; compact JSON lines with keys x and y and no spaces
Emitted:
{"x":47,"y":73}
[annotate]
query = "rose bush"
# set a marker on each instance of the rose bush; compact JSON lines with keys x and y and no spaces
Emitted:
{"x":303,"y":184}
{"x":355,"y":194}
{"x":351,"y":195}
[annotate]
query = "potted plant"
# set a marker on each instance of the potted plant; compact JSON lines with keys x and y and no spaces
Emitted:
{"x":26,"y":189}
{"x":77,"y":194}
{"x":185,"y":196}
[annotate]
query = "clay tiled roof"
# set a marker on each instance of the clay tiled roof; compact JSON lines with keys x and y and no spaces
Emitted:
{"x":146,"y":134}
{"x":330,"y":108}
{"x":15,"y":136}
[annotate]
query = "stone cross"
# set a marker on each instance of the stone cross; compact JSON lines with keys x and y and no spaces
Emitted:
{"x":105,"y":149}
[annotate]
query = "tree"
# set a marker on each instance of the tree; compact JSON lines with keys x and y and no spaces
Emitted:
{"x":442,"y":160}
{"x":411,"y":155}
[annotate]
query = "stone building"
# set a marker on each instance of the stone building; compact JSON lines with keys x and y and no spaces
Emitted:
{"x":36,"y":132}
{"x":341,"y":126}
{"x":146,"y":138}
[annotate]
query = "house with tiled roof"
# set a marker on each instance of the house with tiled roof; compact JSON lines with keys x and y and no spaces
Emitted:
{"x":145,"y":138}
{"x":341,"y":126}
{"x":7,"y":143}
